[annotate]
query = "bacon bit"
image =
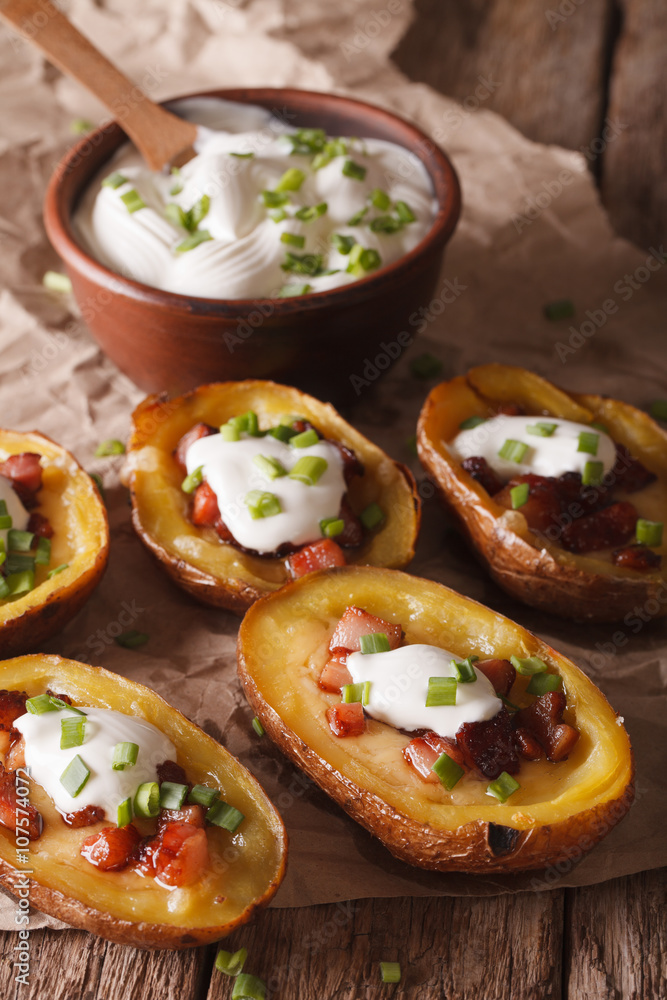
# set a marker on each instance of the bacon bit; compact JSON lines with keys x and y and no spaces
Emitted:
{"x":527,"y":745}
{"x":177,"y":855}
{"x":352,"y":534}
{"x":543,"y":505}
{"x":510,"y":409}
{"x":9,"y":815}
{"x":605,"y":528}
{"x":84,"y":817}
{"x":422,"y":752}
{"x":112,"y":848}
{"x":192,"y":815}
{"x":489,"y":746}
{"x":304,"y":425}
{"x":346,"y":719}
{"x":63,"y":697}
{"x":194,"y":434}
{"x":543,"y":720}
{"x":572,"y":491}
{"x":637,"y":557}
{"x":482,"y":473}
{"x":15,"y":756}
{"x":501,"y":673}
{"x":40,"y":525}
{"x":354,"y":623}
{"x":629,"y":472}
{"x":351,"y":465}
{"x":335,"y":674}
{"x":12,"y":705}
{"x":205,"y":509}
{"x":169,"y":770}
{"x":319,"y":555}
{"x":25,"y":473}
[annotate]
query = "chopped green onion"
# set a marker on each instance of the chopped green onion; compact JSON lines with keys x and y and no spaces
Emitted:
{"x":543,"y":683}
{"x":305,"y":439}
{"x":282,"y":433}
{"x":172,"y":794}
{"x":198,"y":212}
{"x":336,"y":147}
{"x":230,"y":433}
{"x":649,"y":532}
{"x":271,"y":468}
{"x":4,"y":588}
{"x":588,"y":443}
{"x":261,"y":504}
{"x":193,"y":240}
{"x":293,"y":239}
{"x":195,"y":479}
{"x":358,"y":217}
{"x":343,"y":244}
{"x":59,"y":703}
{"x":3,"y":551}
{"x":307,"y":263}
{"x":426,"y":366}
{"x":356,"y":692}
{"x":258,"y":727}
{"x":592,"y":474}
{"x":441,"y":691}
{"x":292,"y":291}
{"x":277,"y":214}
{"x":449,"y":772}
{"x":175,"y":189}
{"x":19,"y":563}
{"x":43,"y":553}
{"x":147,"y":800}
{"x":464,"y":670}
{"x":71,"y":731}
{"x":372,"y":516}
{"x":385,"y":224}
{"x":658,"y":409}
{"x":332,"y":526}
{"x":309,"y":469}
{"x":519,"y":495}
{"x":311,"y":212}
{"x":510,"y":704}
{"x":470,"y":422}
{"x":379,"y":199}
{"x":231,"y":964}
{"x":56,"y":282}
{"x":561,"y":309}
{"x":404,"y":212}
{"x":57,"y":570}
{"x":39,"y":704}
{"x":132,"y":201}
{"x":21,"y":582}
{"x":362,"y":259}
{"x":291,"y":180}
{"x":528,"y":665}
{"x":247,"y":422}
{"x":374,"y":642}
{"x":504,"y":786}
{"x":243,"y":156}
{"x":75,"y":776}
{"x":132,"y":639}
{"x":124,"y":755}
{"x":221,"y":814}
{"x":114,"y":180}
{"x":110,"y":447}
{"x":274,"y":199}
{"x":354,"y":170}
{"x":124,"y":813}
{"x":513,"y":451}
{"x":541,"y":429}
{"x":390,"y":972}
{"x":176,"y":215}
{"x":19,"y":541}
{"x":248,"y":988}
{"x":203,"y":795}
{"x":306,"y":141}
{"x":320,"y":160}
{"x":5,"y":518}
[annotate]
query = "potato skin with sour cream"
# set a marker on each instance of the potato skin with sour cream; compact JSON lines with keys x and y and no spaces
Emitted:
{"x":548,"y":820}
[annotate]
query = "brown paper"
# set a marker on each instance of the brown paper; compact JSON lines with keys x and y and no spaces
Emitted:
{"x":532,"y":231}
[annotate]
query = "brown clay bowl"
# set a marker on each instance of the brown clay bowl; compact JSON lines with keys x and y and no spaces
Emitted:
{"x":319,"y":342}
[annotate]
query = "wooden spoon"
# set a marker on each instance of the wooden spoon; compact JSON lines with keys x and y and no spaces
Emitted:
{"x":160,"y":137}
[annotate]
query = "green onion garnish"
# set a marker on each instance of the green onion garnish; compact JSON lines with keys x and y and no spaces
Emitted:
{"x":504,"y":786}
{"x":282,"y":433}
{"x":356,"y":692}
{"x":541,"y":429}
{"x":305,"y":439}
{"x":75,"y":776}
{"x":390,"y":972}
{"x":3,"y":551}
{"x":114,"y":180}
{"x":343,"y":244}
{"x":248,"y":988}
{"x":332,"y":526}
{"x":17,"y":562}
{"x":231,"y":964}
{"x":358,"y":217}
{"x":649,"y":532}
{"x":470,"y":422}
{"x":271,"y":468}
{"x":293,"y":239}
{"x":592,"y":474}
{"x":203,"y":795}
{"x":230,"y":433}
{"x":110,"y":447}
{"x":309,"y":469}
{"x":354,"y":170}
{"x":426,"y":366}
{"x":588,"y":443}
{"x":19,"y":541}
{"x":464,"y":670}
{"x":195,"y":479}
{"x":291,"y":180}
{"x":543,"y":683}
{"x":374,"y":642}
{"x":4,"y":588}
{"x":404,"y":212}
{"x":380,"y":199}
{"x":43,"y":553}
{"x":247,"y":422}
{"x":175,"y":189}
{"x":258,"y":727}
{"x":5,"y":518}
{"x":243,"y":156}
{"x":57,"y":570}
{"x":124,"y":755}
{"x":362,"y":259}
{"x":561,"y":309}
{"x":441,"y":691}
{"x":132,"y":201}
{"x":57,"y":282}
{"x":261,"y":504}
{"x":39,"y":704}
{"x":292,"y":291}
{"x":307,"y":263}
{"x":372,"y":516}
{"x":125,"y":813}
{"x":320,"y":160}
{"x":193,"y":240}
{"x":274,"y":199}
{"x":176,"y":215}
{"x":147,"y":800}
{"x":59,"y":703}
{"x":277,"y":214}
{"x":528,"y":665}
{"x":385,"y":224}
{"x":449,"y":772}
{"x":21,"y":582}
{"x":306,"y":141}
{"x":311,"y":212}
{"x":172,"y":795}
{"x":519,"y":495}
{"x":513,"y":451}
{"x":658,"y":409}
{"x":132,"y":639}
{"x":71,"y":731}
{"x":221,"y":814}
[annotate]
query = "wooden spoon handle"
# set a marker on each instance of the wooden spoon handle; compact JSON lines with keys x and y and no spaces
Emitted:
{"x":158,"y":135}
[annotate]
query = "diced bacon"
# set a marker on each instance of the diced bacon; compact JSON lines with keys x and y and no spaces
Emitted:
{"x":84,"y":817}
{"x":482,"y":473}
{"x":543,"y":720}
{"x":193,"y":815}
{"x":422,"y":752}
{"x":194,"y":434}
{"x":542,"y":508}
{"x":630,"y":474}
{"x":12,"y":810}
{"x":352,"y":534}
{"x":528,"y":747}
{"x":501,"y":673}
{"x":112,"y":848}
{"x":606,"y":528}
{"x":15,"y":756}
{"x":637,"y":557}
{"x":335,"y":674}
{"x":169,"y":770}
{"x":181,"y":855}
{"x":489,"y":746}
{"x":357,"y":622}
{"x":346,"y":719}
{"x":25,"y":473}
{"x":40,"y":525}
{"x":12,"y":705}
{"x":510,"y":409}
{"x":351,"y":465}
{"x":319,"y":555}
{"x":205,"y":509}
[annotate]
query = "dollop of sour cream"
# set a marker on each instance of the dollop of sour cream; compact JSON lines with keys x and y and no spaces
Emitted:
{"x":399,"y":685}
{"x":230,"y":471}
{"x":244,"y":155}
{"x":103,"y":729}
{"x":551,"y":455}
{"x":15,"y":509}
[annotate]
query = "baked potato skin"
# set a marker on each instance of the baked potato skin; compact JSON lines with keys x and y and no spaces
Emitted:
{"x":96,"y":686}
{"x":571,"y":586}
{"x":28,"y":621}
{"x":216,"y":573}
{"x":480,"y":846}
